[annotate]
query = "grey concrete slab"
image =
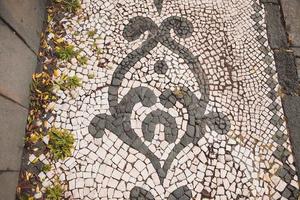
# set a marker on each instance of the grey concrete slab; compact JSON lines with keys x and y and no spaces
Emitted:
{"x":275,"y":25}
{"x":291,"y":10}
{"x":287,"y":71}
{"x":17,"y":63}
{"x":291,"y":105}
{"x":12,"y":131}
{"x":8,"y":183}
{"x":26,"y":17}
{"x":296,"y":51}
{"x":298,"y":67}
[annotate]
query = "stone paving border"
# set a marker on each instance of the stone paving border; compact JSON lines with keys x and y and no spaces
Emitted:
{"x":287,"y":72}
{"x":290,"y":9}
{"x":20,"y":27}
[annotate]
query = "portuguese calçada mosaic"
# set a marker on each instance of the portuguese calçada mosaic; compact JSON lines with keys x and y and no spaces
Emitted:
{"x":181,"y":103}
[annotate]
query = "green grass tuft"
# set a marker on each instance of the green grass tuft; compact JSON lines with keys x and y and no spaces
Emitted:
{"x":46,"y":168}
{"x":91,"y":33}
{"x":91,"y":76}
{"x":82,"y":60}
{"x":68,"y":82}
{"x":61,"y":143}
{"x":55,"y":192}
{"x":69,"y":5}
{"x":66,"y":52}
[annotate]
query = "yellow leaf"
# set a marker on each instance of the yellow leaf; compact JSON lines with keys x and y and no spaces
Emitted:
{"x":34,"y":137}
{"x":56,"y":72}
{"x":59,"y":40}
{"x":37,"y":189}
{"x":35,"y":160}
{"x":38,"y":75}
{"x":45,"y":123}
{"x":49,"y":18}
{"x":28,"y":175}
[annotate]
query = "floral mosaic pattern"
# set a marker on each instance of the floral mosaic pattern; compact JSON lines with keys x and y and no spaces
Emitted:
{"x":182,"y":104}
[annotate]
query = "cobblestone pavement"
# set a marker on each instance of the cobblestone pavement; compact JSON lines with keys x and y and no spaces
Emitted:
{"x":178,"y":100}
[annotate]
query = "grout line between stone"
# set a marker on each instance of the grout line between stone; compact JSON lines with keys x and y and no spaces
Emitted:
{"x":17,"y":34}
{"x":12,"y":100}
{"x":8,"y":170}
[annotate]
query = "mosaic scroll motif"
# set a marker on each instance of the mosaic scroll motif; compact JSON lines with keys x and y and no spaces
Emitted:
{"x":118,"y":122}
